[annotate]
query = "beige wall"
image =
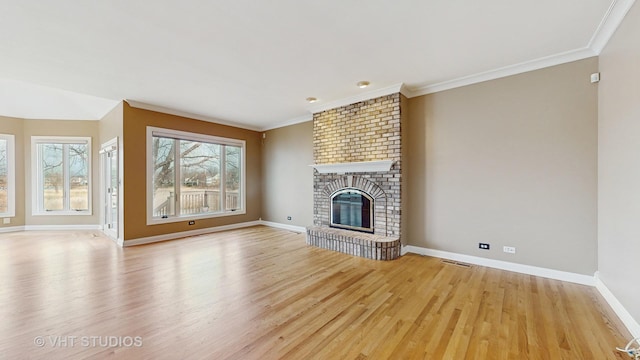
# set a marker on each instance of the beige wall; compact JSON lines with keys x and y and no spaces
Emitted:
{"x":508,"y":162}
{"x":111,"y":125}
{"x":62,"y":128}
{"x":287,"y":188}
{"x":619,"y":164}
{"x":135,"y":127}
{"x":404,"y":156}
{"x":15,"y":127}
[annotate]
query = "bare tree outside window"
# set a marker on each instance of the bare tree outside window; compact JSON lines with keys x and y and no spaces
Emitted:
{"x":78,"y":177}
{"x":188,"y":177}
{"x":52,"y":176}
{"x":64,"y":176}
{"x":163,"y":176}
{"x":232,"y":177}
{"x":199,"y":177}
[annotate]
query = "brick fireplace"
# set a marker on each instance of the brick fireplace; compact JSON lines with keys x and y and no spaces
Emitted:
{"x":359,"y":147}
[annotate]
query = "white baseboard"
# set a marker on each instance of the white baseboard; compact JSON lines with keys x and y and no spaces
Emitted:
{"x":177,"y":235}
{"x":632,"y":325}
{"x":9,"y":229}
{"x":504,"y":265}
{"x":61,"y":227}
{"x":299,"y":229}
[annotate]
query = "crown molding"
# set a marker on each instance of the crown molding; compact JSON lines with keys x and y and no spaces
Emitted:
{"x":526,"y":66}
{"x":165,"y":110}
{"x":609,"y":24}
{"x":294,"y":121}
{"x":357,"y":98}
{"x":607,"y":27}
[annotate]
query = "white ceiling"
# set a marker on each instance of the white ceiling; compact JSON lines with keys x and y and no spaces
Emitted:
{"x":253,"y":63}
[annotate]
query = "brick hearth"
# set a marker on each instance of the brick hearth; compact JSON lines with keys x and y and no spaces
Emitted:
{"x":368,"y":246}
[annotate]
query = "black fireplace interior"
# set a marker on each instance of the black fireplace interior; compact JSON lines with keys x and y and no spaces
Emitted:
{"x":352,"y":209}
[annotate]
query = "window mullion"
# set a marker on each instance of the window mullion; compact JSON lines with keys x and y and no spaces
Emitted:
{"x":65,"y":176}
{"x":39,"y":190}
{"x":177,"y":173}
{"x":223,"y":170}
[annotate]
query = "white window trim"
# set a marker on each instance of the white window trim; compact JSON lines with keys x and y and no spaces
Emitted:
{"x":183,"y":135}
{"x":11,"y":175}
{"x":36,"y":180}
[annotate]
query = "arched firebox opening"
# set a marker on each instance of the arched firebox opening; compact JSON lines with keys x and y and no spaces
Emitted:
{"x":352,"y":209}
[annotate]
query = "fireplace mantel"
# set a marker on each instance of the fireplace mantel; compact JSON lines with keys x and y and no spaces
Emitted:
{"x":354,"y":167}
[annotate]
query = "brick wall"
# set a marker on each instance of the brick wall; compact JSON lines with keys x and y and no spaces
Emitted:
{"x":365,"y":131}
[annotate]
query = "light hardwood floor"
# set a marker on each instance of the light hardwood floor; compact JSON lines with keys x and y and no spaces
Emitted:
{"x":262,"y":293}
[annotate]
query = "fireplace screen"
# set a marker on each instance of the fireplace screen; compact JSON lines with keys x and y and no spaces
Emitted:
{"x":352,"y":209}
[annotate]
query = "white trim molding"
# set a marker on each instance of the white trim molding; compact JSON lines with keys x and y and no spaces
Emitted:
{"x":185,"y":114}
{"x":10,"y":229}
{"x":294,"y":228}
{"x":294,"y":121}
{"x":183,"y":234}
{"x":354,"y":167}
{"x":61,"y":227}
{"x":357,"y":98}
{"x":503,"y":265}
{"x":609,"y":24}
{"x":509,"y":70}
{"x":632,"y":325}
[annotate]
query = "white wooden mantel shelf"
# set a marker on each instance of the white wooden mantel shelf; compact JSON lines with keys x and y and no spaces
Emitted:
{"x":354,"y":167}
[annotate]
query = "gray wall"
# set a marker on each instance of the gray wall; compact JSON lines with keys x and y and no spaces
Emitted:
{"x":511,"y":161}
{"x":287,"y":187}
{"x":619,"y":164}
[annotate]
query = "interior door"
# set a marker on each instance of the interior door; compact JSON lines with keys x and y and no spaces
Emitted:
{"x":110,"y":188}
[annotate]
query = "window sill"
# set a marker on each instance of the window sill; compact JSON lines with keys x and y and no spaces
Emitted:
{"x":62,"y":213}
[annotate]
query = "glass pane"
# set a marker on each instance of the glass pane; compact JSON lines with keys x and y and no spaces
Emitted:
{"x":351,"y":209}
{"x":52,"y":176}
{"x":4,"y":165}
{"x":113,"y":201}
{"x":232,"y":177}
{"x":199,"y":177}
{"x":79,"y":176}
{"x":163,"y":177}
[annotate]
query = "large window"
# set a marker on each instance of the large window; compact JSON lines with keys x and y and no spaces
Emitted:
{"x":62,"y":181}
{"x":192,"y":176}
{"x":7,"y":176}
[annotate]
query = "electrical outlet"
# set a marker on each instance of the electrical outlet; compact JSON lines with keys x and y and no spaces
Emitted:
{"x":288,"y":217}
{"x":6,"y":221}
{"x":483,"y":246}
{"x":192,"y":222}
{"x":509,"y":249}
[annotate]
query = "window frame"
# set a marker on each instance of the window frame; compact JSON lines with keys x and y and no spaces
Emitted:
{"x":189,"y":136}
{"x":11,"y":175}
{"x":37,"y":178}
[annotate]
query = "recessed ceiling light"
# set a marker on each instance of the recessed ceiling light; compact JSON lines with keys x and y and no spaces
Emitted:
{"x":311,"y":100}
{"x":362,"y":84}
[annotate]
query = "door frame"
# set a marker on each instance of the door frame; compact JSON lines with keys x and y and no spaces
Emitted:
{"x":105,"y":190}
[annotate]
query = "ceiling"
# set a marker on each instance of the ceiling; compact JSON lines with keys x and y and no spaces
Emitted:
{"x":253,"y":63}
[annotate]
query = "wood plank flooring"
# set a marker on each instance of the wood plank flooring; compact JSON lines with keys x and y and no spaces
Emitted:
{"x":262,"y":293}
